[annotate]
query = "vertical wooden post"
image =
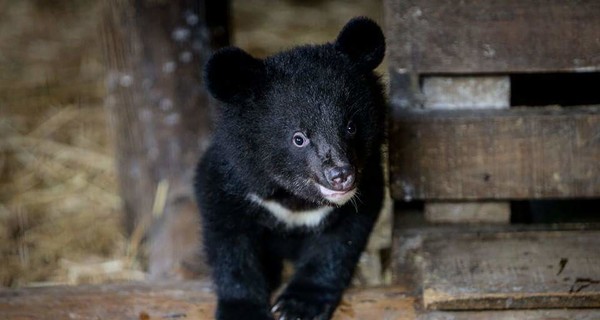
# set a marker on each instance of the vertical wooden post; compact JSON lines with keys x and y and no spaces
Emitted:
{"x":160,"y":116}
{"x":462,"y":92}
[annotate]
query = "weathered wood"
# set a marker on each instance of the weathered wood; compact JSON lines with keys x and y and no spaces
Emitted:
{"x":414,"y":260}
{"x":468,"y":212}
{"x":464,"y":92}
{"x":519,"y":153}
{"x":195,"y":301}
{"x":116,"y":301}
{"x":412,"y":230}
{"x":512,"y":271}
{"x":160,"y":115}
{"x":467,"y":92}
{"x":475,"y":36}
{"x":583,"y":314}
{"x":190,"y":300}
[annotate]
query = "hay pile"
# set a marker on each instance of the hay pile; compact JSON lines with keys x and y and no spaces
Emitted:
{"x":60,"y":219}
{"x":60,"y":213}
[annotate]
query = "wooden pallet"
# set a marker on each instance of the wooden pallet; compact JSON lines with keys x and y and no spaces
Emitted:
{"x":523,"y":153}
{"x":499,"y":267}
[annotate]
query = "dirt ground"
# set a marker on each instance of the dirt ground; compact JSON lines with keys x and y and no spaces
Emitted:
{"x":60,"y":212}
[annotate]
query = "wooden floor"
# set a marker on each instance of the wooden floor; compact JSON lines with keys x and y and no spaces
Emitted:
{"x":195,"y":300}
{"x":190,"y":300}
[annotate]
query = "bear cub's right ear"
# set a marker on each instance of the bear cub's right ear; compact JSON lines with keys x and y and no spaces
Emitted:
{"x":232,"y":75}
{"x":363,"y":41}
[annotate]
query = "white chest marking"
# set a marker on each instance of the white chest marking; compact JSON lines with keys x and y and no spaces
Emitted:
{"x":308,"y":218}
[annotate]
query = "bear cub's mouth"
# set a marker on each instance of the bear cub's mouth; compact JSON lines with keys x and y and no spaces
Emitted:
{"x":336,"y":197}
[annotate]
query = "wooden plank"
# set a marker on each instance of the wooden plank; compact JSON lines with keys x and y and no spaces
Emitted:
{"x":583,"y":314}
{"x":520,"y":153}
{"x":467,"y":92}
{"x":172,"y":300}
{"x":511,"y":270}
{"x":160,"y":117}
{"x":468,"y":212}
{"x":475,"y":36}
{"x":411,"y":230}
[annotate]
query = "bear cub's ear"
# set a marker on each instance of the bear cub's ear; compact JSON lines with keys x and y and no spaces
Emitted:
{"x":363,"y":41}
{"x":231,"y":75}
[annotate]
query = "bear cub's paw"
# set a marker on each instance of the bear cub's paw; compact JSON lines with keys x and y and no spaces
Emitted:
{"x":304,"y":305}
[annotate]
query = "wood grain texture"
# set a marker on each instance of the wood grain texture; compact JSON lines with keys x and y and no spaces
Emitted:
{"x":189,"y":300}
{"x":512,"y":270}
{"x":583,"y":314}
{"x":465,"y":92}
{"x":468,"y":212}
{"x":195,"y":301}
{"x":475,"y":36}
{"x":521,"y":153}
{"x":160,"y":116}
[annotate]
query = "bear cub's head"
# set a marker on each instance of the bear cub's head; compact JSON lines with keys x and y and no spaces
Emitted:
{"x":306,"y":120}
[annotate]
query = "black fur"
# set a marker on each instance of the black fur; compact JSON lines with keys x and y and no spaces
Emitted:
{"x":315,"y":90}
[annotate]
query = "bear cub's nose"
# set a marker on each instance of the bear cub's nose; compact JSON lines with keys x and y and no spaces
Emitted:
{"x":340,"y":178}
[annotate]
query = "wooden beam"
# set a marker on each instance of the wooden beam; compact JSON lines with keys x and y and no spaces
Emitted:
{"x":519,"y":153}
{"x":556,"y":314}
{"x":186,"y":300}
{"x":487,"y":36}
{"x":160,"y":118}
{"x":512,"y":270}
{"x":476,"y":267}
{"x":459,"y":93}
{"x":466,"y":92}
{"x":468,"y":212}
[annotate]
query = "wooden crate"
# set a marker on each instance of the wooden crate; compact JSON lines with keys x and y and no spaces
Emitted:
{"x":513,"y":154}
{"x":465,"y":52}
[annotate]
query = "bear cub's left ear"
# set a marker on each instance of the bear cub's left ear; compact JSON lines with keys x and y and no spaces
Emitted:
{"x":232,"y":75}
{"x":363,"y":41}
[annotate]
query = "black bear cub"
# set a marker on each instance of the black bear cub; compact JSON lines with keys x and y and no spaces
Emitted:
{"x":294,"y":172}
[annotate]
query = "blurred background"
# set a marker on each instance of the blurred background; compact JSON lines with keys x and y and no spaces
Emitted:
{"x":61,"y":217}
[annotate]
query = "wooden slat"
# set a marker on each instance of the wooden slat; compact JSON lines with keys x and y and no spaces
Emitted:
{"x":467,"y":92}
{"x":583,"y":314}
{"x":471,"y":212}
{"x":488,"y":36}
{"x":160,"y":119}
{"x":512,"y":270}
{"x":514,"y":154}
{"x":189,"y":300}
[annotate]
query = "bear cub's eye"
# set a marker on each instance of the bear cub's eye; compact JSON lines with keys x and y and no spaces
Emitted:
{"x":300,"y":140}
{"x":351,"y":128}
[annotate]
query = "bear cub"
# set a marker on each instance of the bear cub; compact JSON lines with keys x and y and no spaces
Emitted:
{"x":294,"y":172}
